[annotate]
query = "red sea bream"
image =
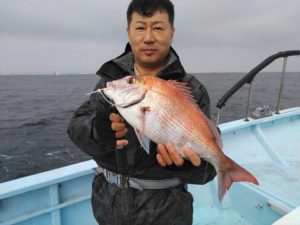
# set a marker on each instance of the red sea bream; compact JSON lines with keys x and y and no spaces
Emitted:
{"x":166,"y":112}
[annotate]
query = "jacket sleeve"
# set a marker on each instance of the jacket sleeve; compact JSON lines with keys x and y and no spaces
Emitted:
{"x":205,"y":172}
{"x":82,"y":130}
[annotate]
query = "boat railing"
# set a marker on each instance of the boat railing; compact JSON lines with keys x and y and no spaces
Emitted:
{"x":249,"y":77}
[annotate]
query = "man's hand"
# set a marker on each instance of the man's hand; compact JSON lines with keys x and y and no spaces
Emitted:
{"x":167,"y":155}
{"x":119,"y":127}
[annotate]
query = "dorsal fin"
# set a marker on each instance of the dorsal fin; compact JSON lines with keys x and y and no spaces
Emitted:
{"x":185,"y":90}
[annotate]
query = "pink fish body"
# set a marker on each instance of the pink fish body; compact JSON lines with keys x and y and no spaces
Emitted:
{"x":166,"y":112}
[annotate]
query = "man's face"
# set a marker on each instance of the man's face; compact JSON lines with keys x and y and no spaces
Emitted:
{"x":150,"y":38}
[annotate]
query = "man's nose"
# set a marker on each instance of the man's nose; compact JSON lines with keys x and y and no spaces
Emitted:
{"x":149,"y":37}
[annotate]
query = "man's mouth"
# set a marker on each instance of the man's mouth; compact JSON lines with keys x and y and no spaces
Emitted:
{"x":148,"y":51}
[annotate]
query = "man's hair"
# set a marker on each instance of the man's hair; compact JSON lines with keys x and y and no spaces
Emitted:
{"x":149,"y":7}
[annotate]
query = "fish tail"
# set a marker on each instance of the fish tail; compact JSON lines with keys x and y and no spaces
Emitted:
{"x":232,"y":172}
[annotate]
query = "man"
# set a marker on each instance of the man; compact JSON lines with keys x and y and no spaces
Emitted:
{"x":133,"y":187}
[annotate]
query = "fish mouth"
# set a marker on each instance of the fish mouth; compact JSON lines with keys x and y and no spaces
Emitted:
{"x":109,"y":84}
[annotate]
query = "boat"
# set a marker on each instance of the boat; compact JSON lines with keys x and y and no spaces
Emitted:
{"x":266,"y":143}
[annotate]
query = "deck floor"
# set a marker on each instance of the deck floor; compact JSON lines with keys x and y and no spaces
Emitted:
{"x":213,"y":216}
{"x":282,"y":181}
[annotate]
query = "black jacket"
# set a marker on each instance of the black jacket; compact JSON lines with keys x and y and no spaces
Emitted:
{"x":85,"y":135}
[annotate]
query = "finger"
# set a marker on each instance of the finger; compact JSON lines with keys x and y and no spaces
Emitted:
{"x":114,"y":117}
{"x":164,"y":154}
{"x":122,"y":133}
{"x":175,"y":156}
{"x":118,"y":126}
{"x":121,"y":143}
{"x":160,"y":160}
{"x":193,"y":157}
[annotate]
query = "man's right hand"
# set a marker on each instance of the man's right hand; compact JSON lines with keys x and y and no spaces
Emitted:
{"x":119,"y":127}
{"x":168,"y":155}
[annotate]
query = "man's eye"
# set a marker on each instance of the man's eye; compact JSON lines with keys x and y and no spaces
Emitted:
{"x":139,"y":28}
{"x":132,"y":80}
{"x":158,"y":28}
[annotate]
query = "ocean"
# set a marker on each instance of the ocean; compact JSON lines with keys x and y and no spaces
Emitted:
{"x":36,"y":109}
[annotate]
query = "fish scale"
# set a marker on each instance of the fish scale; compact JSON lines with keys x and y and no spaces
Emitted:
{"x":159,"y":116}
{"x":174,"y":114}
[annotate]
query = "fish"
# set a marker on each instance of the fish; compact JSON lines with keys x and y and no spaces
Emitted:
{"x":165,"y":111}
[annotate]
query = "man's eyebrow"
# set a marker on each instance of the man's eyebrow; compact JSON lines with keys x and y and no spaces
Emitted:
{"x":142,"y":22}
{"x":153,"y":23}
{"x":157,"y":22}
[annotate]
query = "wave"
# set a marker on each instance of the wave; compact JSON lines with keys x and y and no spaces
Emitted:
{"x":52,"y":119}
{"x":8,"y":125}
{"x":41,"y":122}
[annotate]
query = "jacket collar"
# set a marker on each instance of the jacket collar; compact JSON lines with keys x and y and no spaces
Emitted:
{"x":124,"y":65}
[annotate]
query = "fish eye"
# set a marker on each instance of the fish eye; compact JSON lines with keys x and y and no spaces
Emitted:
{"x":132,"y":80}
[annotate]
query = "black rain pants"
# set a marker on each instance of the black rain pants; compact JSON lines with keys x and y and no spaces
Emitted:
{"x":113,"y":205}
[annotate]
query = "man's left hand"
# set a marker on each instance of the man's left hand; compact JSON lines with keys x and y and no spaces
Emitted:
{"x":167,"y":155}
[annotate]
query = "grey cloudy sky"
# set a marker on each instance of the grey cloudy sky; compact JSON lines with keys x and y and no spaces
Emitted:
{"x":77,"y":36}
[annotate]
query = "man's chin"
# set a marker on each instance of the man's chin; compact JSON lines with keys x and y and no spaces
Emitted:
{"x":149,"y":60}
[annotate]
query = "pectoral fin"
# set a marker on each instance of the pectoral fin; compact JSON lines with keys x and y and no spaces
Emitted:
{"x":145,"y":109}
{"x":144,"y":141}
{"x":140,"y":132}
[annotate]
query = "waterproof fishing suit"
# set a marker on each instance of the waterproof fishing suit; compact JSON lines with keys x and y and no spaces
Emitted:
{"x":113,"y":205}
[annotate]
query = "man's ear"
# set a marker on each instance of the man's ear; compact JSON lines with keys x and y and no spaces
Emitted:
{"x":127,"y":30}
{"x":172,"y":35}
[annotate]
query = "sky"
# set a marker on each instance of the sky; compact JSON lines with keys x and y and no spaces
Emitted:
{"x":78,"y":36}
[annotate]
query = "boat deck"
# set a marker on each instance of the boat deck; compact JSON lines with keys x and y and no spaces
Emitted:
{"x":212,"y":215}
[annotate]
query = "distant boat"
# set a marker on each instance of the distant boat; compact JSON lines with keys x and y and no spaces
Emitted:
{"x":267,"y":145}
